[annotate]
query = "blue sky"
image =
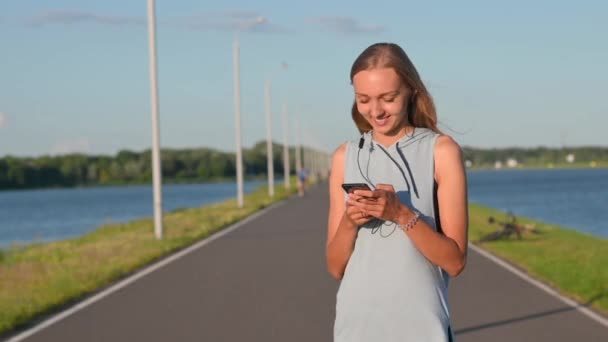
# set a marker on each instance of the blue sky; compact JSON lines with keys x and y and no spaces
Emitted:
{"x":74,"y":74}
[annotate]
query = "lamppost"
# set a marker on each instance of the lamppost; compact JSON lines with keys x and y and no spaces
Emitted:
{"x":237,"y":107}
{"x":298,"y":146}
{"x":269,"y":158}
{"x":156,"y":170}
{"x":286,"y":147}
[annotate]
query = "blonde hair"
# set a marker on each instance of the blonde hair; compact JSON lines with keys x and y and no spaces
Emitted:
{"x":421,"y":109}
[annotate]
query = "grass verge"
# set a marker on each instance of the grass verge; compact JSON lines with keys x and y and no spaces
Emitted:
{"x":574,"y":263}
{"x":39,"y":278}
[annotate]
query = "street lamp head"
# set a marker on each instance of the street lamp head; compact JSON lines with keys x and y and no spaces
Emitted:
{"x":260,"y":20}
{"x":247,"y":25}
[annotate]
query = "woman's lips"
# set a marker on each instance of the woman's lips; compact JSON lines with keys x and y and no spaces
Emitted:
{"x":381,"y":122}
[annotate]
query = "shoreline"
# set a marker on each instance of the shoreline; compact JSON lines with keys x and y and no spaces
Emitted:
{"x":564,"y":259}
{"x":539,"y":221}
{"x":126,"y":184}
{"x":540,"y":168}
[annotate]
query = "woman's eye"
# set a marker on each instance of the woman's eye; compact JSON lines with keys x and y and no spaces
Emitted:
{"x":389,"y":100}
{"x":363,"y":101}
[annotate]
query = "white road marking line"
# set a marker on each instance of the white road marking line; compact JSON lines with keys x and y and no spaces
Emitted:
{"x":575,"y":305}
{"x":151,"y":268}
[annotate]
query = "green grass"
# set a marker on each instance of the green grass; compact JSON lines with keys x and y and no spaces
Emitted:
{"x":39,"y":278}
{"x":573,"y":263}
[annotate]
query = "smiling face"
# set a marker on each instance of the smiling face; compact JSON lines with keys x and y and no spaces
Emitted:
{"x":381,"y":98}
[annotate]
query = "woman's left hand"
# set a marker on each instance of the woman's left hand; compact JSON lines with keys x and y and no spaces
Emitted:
{"x":381,"y":203}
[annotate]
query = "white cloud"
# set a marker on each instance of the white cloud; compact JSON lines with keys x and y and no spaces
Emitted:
{"x":81,"y":145}
{"x":345,"y":25}
{"x":60,"y":16}
{"x":230,"y":21}
{"x":219,"y":21}
{"x":3,"y":120}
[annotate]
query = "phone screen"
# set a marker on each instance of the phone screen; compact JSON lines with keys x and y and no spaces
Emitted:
{"x":350,"y":187}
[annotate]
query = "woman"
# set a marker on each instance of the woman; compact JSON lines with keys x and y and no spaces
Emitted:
{"x":395,"y":246}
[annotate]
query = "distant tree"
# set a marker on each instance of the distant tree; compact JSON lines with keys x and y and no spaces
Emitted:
{"x":204,"y":164}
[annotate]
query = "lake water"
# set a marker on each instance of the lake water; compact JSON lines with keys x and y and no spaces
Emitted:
{"x":53,"y":214}
{"x":576,"y":199}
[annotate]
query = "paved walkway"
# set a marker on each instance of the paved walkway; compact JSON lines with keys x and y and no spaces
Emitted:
{"x":266,"y":281}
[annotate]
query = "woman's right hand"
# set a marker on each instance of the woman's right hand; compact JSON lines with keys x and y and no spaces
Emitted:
{"x":355,"y":216}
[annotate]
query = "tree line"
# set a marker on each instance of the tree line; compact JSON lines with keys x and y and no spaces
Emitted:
{"x":205,"y":164}
{"x":535,"y":157}
{"x":128,"y":167}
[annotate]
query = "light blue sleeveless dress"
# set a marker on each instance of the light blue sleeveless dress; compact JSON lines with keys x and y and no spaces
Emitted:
{"x":390,"y":291}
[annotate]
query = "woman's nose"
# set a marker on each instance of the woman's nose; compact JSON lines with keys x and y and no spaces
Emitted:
{"x":376,"y":108}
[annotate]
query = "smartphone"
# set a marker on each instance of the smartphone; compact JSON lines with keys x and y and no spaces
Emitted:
{"x":350,"y":187}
